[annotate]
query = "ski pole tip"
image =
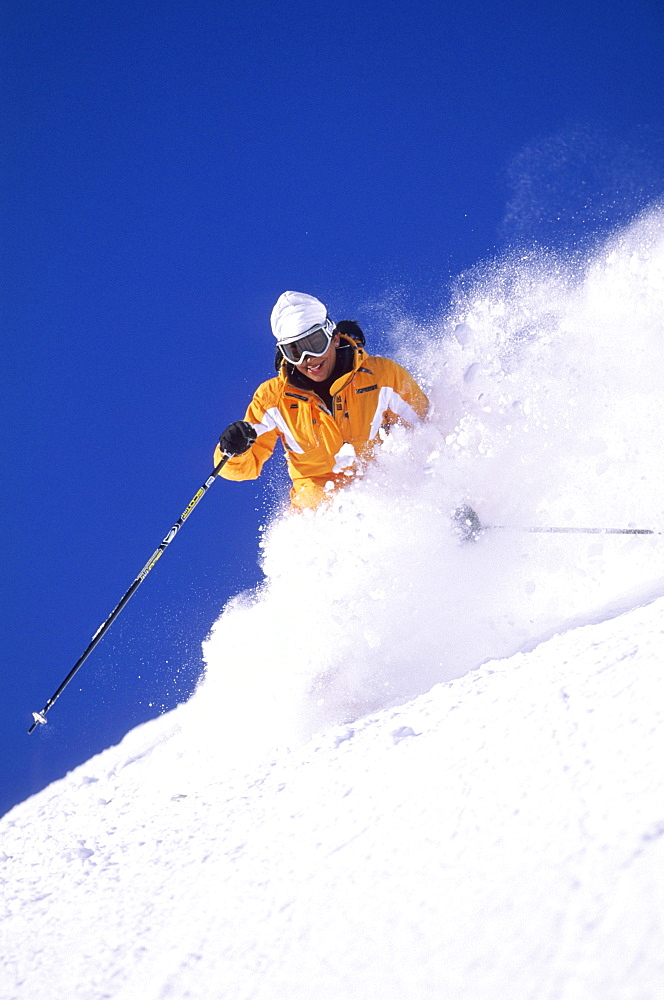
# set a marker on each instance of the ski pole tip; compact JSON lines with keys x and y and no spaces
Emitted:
{"x":39,"y":720}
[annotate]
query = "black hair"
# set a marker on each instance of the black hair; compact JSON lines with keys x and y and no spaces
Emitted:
{"x":351,"y":329}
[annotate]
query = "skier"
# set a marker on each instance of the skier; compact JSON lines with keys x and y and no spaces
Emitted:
{"x":328,"y":404}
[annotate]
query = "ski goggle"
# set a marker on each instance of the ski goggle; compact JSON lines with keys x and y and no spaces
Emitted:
{"x":315,"y":344}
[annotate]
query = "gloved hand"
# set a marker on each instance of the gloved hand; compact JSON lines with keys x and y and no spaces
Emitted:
{"x":237,"y":438}
{"x":466,"y":525}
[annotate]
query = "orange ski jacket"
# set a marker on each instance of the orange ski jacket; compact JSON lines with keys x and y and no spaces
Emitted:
{"x":374,"y":394}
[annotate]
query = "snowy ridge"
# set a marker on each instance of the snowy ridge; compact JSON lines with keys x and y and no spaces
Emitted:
{"x":414,"y":768}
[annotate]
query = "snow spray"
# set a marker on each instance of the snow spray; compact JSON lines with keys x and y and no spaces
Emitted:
{"x":544,"y":373}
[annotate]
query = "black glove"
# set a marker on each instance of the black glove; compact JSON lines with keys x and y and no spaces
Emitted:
{"x":237,"y":438}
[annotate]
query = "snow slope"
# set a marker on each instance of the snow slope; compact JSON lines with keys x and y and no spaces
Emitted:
{"x":502,"y":835}
{"x":414,"y":768}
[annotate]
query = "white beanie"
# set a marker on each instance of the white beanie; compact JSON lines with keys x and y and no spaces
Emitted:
{"x":294,"y":314}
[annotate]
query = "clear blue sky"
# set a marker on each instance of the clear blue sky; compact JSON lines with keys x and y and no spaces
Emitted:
{"x":168,"y":170}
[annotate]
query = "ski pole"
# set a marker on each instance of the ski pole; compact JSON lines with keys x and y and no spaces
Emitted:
{"x":468,"y":527}
{"x":577,"y":531}
{"x":40,"y":717}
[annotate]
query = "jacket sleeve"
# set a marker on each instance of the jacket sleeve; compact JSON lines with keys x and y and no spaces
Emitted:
{"x":411,"y":392}
{"x":401,"y":399}
{"x":250,"y":464}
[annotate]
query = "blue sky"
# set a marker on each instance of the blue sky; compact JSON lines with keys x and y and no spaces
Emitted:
{"x":168,"y":170}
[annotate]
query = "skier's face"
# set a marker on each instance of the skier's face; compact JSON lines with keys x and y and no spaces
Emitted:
{"x":319,"y":369}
